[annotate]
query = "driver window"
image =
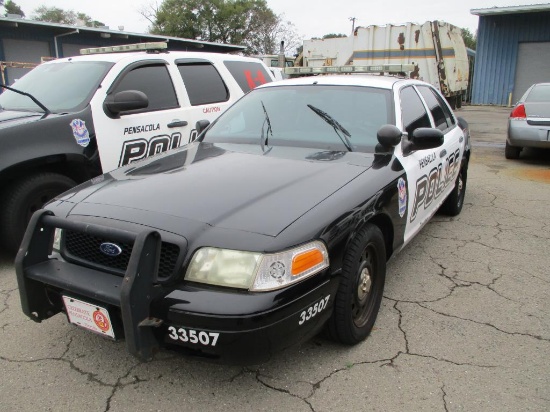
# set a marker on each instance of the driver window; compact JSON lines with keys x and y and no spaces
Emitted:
{"x":413,"y":113}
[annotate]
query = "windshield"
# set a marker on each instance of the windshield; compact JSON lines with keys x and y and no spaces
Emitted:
{"x":360,"y":111}
{"x":61,"y":87}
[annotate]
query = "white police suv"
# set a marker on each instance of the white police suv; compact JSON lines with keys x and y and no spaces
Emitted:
{"x":71,"y":119}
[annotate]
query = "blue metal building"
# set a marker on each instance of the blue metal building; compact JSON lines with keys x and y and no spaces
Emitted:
{"x":513,"y":52}
{"x":26,"y":42}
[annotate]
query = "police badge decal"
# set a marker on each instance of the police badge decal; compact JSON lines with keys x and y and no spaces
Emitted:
{"x":80,"y":132}
{"x":402,"y":189}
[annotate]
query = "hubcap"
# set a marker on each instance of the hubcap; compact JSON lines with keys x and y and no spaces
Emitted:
{"x":365,"y":284}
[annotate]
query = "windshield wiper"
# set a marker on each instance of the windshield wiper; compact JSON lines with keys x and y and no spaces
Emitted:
{"x":34,"y":99}
{"x":265,"y":142}
{"x":344,"y":137}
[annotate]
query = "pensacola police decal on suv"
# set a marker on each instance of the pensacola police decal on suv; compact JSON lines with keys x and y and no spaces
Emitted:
{"x":80,"y":132}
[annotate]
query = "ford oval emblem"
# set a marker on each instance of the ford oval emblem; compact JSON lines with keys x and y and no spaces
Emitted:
{"x":110,"y":249}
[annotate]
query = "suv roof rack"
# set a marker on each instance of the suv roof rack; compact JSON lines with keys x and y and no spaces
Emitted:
{"x":149,"y":47}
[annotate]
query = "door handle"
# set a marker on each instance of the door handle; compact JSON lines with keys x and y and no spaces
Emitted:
{"x":177,"y":123}
{"x":443,"y":153}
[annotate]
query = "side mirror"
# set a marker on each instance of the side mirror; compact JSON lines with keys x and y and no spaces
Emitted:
{"x":125,"y":101}
{"x":389,"y":135}
{"x":201,"y":126}
{"x":423,"y":138}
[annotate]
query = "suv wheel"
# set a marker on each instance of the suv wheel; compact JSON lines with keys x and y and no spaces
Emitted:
{"x":24,"y":197}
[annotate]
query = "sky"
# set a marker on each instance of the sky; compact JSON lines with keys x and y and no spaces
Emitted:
{"x":312,"y":18}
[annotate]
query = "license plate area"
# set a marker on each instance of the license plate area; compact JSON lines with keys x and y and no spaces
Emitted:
{"x":88,"y":316}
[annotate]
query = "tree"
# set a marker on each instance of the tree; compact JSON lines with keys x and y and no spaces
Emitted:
{"x":470,"y":40}
{"x":57,"y":15}
{"x":12,"y":8}
{"x":334,"y":36}
{"x":245,"y":22}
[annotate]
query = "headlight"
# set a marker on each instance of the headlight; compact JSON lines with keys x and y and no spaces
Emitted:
{"x":257,"y":271}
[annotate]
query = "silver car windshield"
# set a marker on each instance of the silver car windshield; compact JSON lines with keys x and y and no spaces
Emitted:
{"x":61,"y":87}
{"x":360,"y":111}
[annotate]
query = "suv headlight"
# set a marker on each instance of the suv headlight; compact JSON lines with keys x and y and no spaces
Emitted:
{"x":257,"y":271}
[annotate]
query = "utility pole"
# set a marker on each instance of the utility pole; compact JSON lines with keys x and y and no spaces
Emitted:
{"x":352,"y":19}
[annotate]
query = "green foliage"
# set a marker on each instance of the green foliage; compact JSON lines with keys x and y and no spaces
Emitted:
{"x":244,"y":22}
{"x":334,"y":35}
{"x":13,"y":8}
{"x":57,"y":15}
{"x":470,"y":39}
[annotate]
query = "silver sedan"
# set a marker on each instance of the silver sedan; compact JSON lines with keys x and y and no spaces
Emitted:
{"x":529,"y":122}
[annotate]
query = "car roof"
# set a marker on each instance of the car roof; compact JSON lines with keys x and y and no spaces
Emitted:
{"x":369,"y":80}
{"x":170,"y":55}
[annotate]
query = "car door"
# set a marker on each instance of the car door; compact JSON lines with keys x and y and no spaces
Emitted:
{"x":431,"y":173}
{"x":132,"y":135}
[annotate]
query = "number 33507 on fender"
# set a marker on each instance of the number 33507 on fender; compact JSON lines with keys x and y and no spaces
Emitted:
{"x":193,"y":336}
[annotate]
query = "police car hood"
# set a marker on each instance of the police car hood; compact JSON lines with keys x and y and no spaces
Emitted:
{"x":234,"y":187}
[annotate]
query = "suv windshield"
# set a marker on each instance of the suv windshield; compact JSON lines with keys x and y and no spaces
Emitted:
{"x":61,"y":87}
{"x":360,"y":111}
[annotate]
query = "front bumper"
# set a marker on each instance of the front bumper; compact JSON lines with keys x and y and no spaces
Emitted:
{"x":149,"y":312}
{"x":529,"y":133}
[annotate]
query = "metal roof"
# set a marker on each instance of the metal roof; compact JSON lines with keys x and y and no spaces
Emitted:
{"x":531,"y":8}
{"x":66,"y":28}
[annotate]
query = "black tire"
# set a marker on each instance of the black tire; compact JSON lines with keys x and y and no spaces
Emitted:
{"x":22,"y":198}
{"x":511,"y":152}
{"x":359,"y":294}
{"x":453,"y":204}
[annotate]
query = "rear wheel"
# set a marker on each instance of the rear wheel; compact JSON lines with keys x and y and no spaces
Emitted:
{"x":22,"y":198}
{"x":359,"y":294}
{"x":511,"y":152}
{"x":453,"y":204}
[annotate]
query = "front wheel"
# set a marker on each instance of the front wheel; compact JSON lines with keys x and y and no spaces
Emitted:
{"x":359,"y":294}
{"x":22,"y":198}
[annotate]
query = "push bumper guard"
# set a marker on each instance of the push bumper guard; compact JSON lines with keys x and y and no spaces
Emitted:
{"x":132,"y":293}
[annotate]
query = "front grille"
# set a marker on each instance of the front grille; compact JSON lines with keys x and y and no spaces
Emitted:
{"x":84,"y":248}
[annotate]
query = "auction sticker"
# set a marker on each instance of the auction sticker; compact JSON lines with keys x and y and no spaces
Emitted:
{"x":91,"y":317}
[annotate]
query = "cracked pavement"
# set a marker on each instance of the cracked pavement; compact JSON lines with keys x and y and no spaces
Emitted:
{"x":464,"y":324}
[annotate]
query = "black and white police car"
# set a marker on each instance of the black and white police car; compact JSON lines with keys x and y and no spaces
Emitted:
{"x":277,"y":222}
{"x":71,"y":119}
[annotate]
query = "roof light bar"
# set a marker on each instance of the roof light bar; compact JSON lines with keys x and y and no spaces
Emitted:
{"x":381,"y":68}
{"x":126,"y":48}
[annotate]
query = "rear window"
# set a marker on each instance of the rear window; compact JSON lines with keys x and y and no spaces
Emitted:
{"x":248,"y":74}
{"x":203,"y":83}
{"x":539,"y":93}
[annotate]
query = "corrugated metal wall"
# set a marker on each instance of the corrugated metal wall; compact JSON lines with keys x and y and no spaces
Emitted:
{"x":497,"y":48}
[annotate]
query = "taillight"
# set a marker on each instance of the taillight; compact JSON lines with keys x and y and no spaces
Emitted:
{"x":518,"y":112}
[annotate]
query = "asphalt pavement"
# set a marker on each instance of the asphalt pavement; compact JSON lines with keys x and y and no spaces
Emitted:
{"x":464,"y":324}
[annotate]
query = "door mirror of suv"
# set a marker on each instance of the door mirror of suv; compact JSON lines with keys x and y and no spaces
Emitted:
{"x":201,"y":126}
{"x":125,"y":101}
